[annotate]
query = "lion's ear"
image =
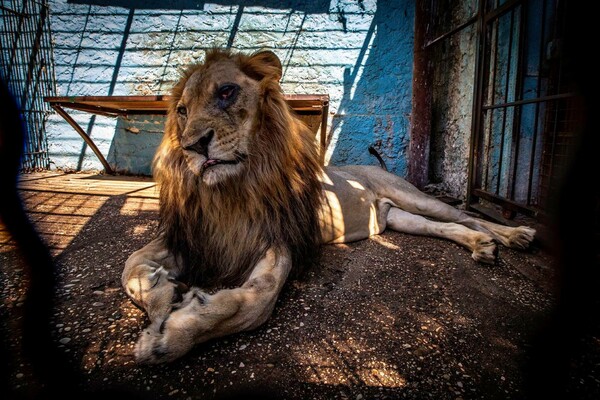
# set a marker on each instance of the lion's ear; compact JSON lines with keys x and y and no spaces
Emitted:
{"x":264,"y":64}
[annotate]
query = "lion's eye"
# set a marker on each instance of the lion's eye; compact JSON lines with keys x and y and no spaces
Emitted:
{"x":226,"y":94}
{"x":182,"y":111}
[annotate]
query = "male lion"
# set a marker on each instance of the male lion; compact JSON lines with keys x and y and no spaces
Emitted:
{"x":244,"y":201}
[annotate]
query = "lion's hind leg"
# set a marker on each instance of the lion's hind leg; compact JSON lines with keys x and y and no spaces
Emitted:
{"x":407,"y":197}
{"x":481,"y":244}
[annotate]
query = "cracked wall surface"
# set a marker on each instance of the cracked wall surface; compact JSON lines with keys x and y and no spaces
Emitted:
{"x":452,"y":103}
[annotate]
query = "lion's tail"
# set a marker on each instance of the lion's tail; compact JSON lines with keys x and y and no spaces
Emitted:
{"x":378,"y":157}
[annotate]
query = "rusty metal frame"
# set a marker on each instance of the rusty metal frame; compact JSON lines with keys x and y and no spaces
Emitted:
{"x":496,"y":111}
{"x":88,"y":140}
{"x":477,"y":179}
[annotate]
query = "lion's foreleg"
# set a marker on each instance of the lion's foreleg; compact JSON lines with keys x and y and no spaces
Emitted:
{"x":481,"y":244}
{"x":149,"y":278}
{"x":201,"y":316}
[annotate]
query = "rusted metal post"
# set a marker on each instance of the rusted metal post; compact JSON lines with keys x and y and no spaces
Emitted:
{"x":420,"y":124}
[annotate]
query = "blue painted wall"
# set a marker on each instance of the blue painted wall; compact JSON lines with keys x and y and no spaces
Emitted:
{"x":357,"y":51}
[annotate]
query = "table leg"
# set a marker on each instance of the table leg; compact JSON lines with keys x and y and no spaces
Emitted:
{"x":84,"y":136}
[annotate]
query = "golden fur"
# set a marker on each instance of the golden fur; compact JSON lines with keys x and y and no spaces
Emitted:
{"x":222,"y":230}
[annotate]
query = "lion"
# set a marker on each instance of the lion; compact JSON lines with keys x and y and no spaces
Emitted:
{"x":245,"y":203}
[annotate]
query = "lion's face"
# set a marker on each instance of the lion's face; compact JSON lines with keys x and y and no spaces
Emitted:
{"x":215,"y":117}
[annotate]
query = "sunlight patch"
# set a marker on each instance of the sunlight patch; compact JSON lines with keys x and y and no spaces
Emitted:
{"x":385,"y":243}
{"x":355,"y":184}
{"x":326,"y":363}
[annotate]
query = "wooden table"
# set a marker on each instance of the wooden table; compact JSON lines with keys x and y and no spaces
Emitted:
{"x":307,"y":106}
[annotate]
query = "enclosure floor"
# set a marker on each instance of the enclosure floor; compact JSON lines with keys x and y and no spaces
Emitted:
{"x":395,"y":316}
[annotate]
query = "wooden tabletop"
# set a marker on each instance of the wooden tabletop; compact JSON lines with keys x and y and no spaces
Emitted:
{"x":158,"y":104}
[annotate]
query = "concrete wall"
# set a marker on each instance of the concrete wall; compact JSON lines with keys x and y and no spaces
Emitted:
{"x":357,"y":51}
{"x":452,"y":102}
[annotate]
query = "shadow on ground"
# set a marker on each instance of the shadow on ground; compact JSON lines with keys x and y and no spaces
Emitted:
{"x":396,"y":316}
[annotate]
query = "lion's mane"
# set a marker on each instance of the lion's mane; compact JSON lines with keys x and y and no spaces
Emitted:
{"x":220,"y":232}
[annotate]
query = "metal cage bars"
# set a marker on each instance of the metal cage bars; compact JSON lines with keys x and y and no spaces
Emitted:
{"x":26,"y":65}
{"x":524,"y":115}
{"x":515,"y":160}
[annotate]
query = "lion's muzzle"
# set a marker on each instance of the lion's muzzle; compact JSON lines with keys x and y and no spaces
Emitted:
{"x":201,"y":144}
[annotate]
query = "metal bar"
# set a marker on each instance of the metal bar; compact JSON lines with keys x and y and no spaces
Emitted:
{"x":498,"y":12}
{"x":17,"y":32}
{"x":553,"y":147}
{"x":36,"y":60}
{"x":516,"y":131}
{"x":537,"y":106}
{"x":104,"y":111}
{"x":451,"y":32}
{"x":506,"y":92}
{"x":35,"y":45}
{"x":529,"y":101}
{"x":39,"y":132}
{"x":324,"y":118}
{"x":420,"y":122}
{"x":491,"y":93}
{"x":84,"y":136}
{"x":507,"y":204}
{"x":49,"y":80}
{"x":10,"y":10}
{"x":26,"y":52}
{"x":477,"y":113}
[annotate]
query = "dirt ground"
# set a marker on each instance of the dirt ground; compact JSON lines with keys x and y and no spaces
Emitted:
{"x":393,"y":317}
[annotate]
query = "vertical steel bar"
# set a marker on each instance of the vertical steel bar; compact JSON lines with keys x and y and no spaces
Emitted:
{"x":537,"y":106}
{"x":3,"y":36}
{"x":31,"y":55}
{"x":324,"y":119}
{"x":517,"y":112}
{"x":506,"y":91}
{"x":23,"y":52}
{"x":492,"y":93}
{"x":50,"y":81}
{"x":420,"y":123}
{"x":39,"y":63}
{"x":16,"y":30}
{"x":555,"y":131}
{"x":477,"y":113}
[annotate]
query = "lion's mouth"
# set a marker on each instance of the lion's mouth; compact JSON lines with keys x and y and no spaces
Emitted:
{"x":211,"y":162}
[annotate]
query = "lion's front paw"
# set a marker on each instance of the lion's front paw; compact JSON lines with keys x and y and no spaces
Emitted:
{"x":167,"y":340}
{"x":521,"y":237}
{"x":150,"y":348}
{"x":163,"y":343}
{"x":155,"y":289}
{"x":485,"y":251}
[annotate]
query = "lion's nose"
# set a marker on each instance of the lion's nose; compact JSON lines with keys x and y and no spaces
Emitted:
{"x":201,"y":145}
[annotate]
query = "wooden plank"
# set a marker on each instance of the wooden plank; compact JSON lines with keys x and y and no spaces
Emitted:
{"x":160,"y":103}
{"x":92,"y":185}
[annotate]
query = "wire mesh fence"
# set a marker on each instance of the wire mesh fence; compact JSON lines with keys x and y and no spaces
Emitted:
{"x":26,"y":65}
